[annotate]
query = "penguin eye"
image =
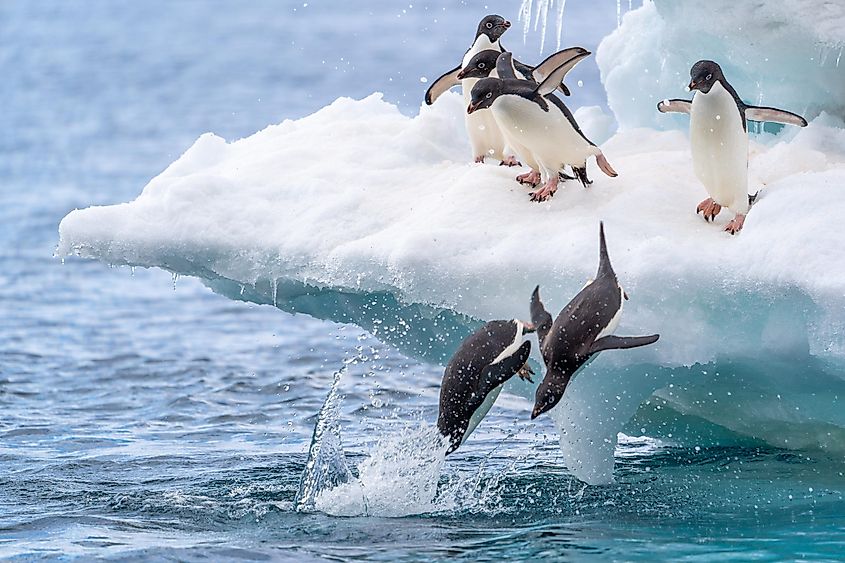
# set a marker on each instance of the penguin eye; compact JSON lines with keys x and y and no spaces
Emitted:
{"x":489,"y":25}
{"x":709,"y":76}
{"x":481,"y":65}
{"x":489,"y":95}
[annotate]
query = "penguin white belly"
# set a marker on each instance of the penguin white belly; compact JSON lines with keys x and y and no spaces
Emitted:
{"x":522,"y":152}
{"x":614,"y":322}
{"x":720,"y":148}
{"x":484,"y":135}
{"x":482,"y":411}
{"x":548,"y":136}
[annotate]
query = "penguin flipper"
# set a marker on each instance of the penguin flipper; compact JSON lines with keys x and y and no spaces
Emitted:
{"x":498,"y":373}
{"x":539,"y":316}
{"x":552,"y":62}
{"x":774,"y":115}
{"x":674,"y":106}
{"x":622,"y":342}
{"x":553,"y":79}
{"x":506,"y":66}
{"x":442,"y":84}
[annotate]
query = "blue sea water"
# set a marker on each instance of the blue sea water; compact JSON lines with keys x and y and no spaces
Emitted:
{"x":144,"y":417}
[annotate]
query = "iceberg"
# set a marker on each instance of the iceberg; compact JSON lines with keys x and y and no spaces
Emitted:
{"x":782,"y":54}
{"x":358,"y":213}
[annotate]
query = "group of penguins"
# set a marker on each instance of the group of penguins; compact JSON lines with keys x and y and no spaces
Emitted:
{"x":512,"y":112}
{"x":513,"y":115}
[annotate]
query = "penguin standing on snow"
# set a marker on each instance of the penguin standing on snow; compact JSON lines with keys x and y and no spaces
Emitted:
{"x":484,"y":135}
{"x":475,"y":375}
{"x":719,"y":139}
{"x":493,"y":64}
{"x":582,"y":329}
{"x":541,"y":124}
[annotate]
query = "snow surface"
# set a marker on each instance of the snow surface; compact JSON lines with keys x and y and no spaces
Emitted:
{"x":362,"y":214}
{"x":782,"y":54}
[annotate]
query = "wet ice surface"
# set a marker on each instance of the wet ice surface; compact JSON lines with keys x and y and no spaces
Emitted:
{"x":143,"y":421}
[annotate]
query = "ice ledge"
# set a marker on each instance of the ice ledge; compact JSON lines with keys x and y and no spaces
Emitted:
{"x":361,"y":214}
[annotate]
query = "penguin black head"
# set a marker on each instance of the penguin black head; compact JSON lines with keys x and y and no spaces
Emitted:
{"x":480,"y":65}
{"x":484,"y":93}
{"x":549,"y":393}
{"x":493,"y":27}
{"x":703,"y":75}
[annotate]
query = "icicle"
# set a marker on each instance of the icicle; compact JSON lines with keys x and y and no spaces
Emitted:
{"x":525,"y":17}
{"x":618,"y":13}
{"x":175,"y":278}
{"x":540,"y":11}
{"x":560,"y":9}
{"x":275,"y":284}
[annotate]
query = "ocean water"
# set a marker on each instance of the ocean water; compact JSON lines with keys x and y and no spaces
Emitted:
{"x":144,"y":417}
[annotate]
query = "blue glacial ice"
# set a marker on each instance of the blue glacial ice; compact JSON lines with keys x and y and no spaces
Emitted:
{"x":783,"y":54}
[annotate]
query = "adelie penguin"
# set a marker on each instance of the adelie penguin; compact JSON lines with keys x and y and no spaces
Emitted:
{"x":484,"y":135}
{"x":538,"y":123}
{"x":719,"y":139}
{"x":582,"y":329}
{"x":493,"y":64}
{"x":476,"y":373}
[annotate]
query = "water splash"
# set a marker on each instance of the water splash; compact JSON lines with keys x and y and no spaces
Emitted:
{"x":326,"y":467}
{"x":398,"y":478}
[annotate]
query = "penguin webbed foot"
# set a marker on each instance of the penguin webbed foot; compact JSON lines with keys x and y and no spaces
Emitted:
{"x":531,"y":178}
{"x":581,"y":175}
{"x":735,"y":224}
{"x":479,"y":159}
{"x":525,"y":373}
{"x":510,"y":161}
{"x":543,"y":194}
{"x":709,"y":209}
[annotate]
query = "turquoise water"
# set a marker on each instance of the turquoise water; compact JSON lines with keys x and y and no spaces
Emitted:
{"x":147,"y":418}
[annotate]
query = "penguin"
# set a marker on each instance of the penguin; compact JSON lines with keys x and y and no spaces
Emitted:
{"x":540,"y":122}
{"x":476,"y":373}
{"x":719,"y":140}
{"x":491,"y":63}
{"x":484,"y":135}
{"x":582,"y":329}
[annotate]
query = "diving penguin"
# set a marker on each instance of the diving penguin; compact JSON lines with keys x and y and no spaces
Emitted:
{"x":538,"y":122}
{"x":582,"y":329}
{"x":476,"y":373}
{"x":719,"y":139}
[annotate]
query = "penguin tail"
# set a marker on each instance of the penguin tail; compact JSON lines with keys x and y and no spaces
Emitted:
{"x":605,"y":165}
{"x":604,"y":257}
{"x":541,"y":318}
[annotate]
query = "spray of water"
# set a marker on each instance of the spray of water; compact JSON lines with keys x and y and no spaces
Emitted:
{"x":326,"y":466}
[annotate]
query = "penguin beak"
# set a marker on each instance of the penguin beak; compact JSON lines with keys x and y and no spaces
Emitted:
{"x":536,"y":412}
{"x":460,"y":75}
{"x":692,"y":86}
{"x":528,"y":328}
{"x":507,"y":24}
{"x":472,"y":107}
{"x":625,"y":294}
